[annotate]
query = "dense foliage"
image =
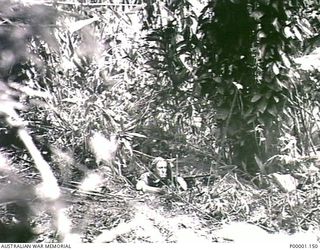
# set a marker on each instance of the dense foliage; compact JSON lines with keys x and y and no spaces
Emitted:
{"x":240,"y":56}
{"x":219,"y":87}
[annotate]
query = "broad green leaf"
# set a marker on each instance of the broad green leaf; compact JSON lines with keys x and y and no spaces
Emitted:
{"x":297,"y":33}
{"x":248,"y":113}
{"x":281,"y":84}
{"x":285,"y":60}
{"x":262,"y":106}
{"x":276,"y":24}
{"x":250,"y":120}
{"x":275,"y":69}
{"x":217,"y":79}
{"x":275,"y":86}
{"x":268,"y":95}
{"x":257,"y":15}
{"x":288,"y":33}
{"x":256,"y":98}
{"x":273,"y":110}
{"x":305,"y":27}
{"x":259,"y":163}
{"x":238,"y":85}
{"x":261,"y":34}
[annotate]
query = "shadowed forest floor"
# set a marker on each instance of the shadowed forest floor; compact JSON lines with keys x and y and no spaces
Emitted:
{"x":115,"y":212}
{"x":130,"y":217}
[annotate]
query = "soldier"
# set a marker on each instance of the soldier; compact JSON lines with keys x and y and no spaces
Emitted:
{"x":159,"y":178}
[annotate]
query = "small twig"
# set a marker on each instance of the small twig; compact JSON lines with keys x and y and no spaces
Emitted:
{"x":209,"y":179}
{"x":198,"y":176}
{"x":96,"y":193}
{"x":141,"y":153}
{"x":305,"y":218}
{"x":23,"y":170}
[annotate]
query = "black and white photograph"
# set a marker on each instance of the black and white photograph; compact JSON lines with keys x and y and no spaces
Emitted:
{"x":160,"y":124}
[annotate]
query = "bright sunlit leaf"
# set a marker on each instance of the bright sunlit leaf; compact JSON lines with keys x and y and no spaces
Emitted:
{"x":81,"y":23}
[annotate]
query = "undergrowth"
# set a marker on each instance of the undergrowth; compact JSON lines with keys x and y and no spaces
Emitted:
{"x":85,"y":108}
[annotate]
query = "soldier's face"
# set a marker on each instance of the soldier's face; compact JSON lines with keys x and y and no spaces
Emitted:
{"x":161,"y":169}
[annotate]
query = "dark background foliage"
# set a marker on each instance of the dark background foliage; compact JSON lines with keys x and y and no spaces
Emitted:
{"x":218,"y":87}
